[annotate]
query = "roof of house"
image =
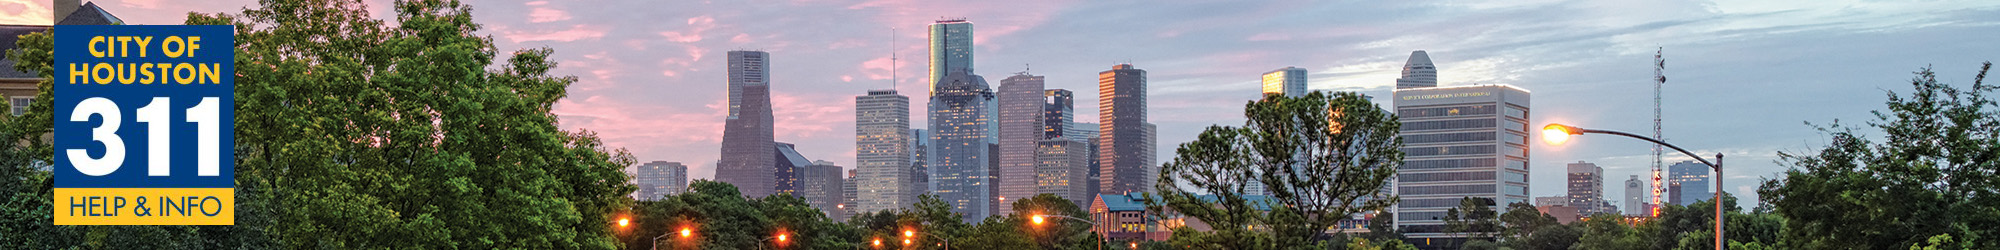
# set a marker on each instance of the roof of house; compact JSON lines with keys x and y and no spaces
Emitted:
{"x":90,"y":14}
{"x":9,"y":34}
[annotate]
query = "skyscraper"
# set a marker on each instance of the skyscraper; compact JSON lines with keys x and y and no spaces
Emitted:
{"x":1087,"y":133}
{"x":1418,"y":72}
{"x":1290,"y":81}
{"x":1586,"y":188}
{"x":951,"y":49}
{"x":849,"y":188}
{"x":882,"y":151}
{"x":658,"y":179}
{"x":1458,"y":142}
{"x":1121,"y":115}
{"x":1063,"y":161}
{"x":920,"y":170}
{"x":747,"y":146}
{"x":961,"y":157}
{"x":1635,"y":196}
{"x":1022,"y":125}
{"x":790,"y":166}
{"x":1687,"y":183}
{"x":823,"y":187}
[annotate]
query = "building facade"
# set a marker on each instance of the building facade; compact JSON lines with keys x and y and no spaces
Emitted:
{"x":658,"y":179}
{"x":960,"y":155}
{"x":1459,"y":142}
{"x":1121,"y":154}
{"x":1687,"y":183}
{"x":790,"y":168}
{"x":1586,"y":188}
{"x":1635,"y":197}
{"x":882,"y":151}
{"x":747,"y":146}
{"x":1418,"y":72}
{"x":920,"y":171}
{"x":1062,"y":159}
{"x":1023,"y":124}
{"x":852,"y":190}
{"x":823,"y":185}
{"x":951,"y":49}
{"x":1288,"y":81}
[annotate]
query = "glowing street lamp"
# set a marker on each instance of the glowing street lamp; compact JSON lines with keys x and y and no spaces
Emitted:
{"x":623,"y":222}
{"x":1556,"y":134}
{"x":1038,"y":219}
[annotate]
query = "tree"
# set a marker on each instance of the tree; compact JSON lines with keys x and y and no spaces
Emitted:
{"x":1933,"y":173}
{"x":1605,"y":231}
{"x":409,"y":135}
{"x":1054,"y":232}
{"x":1323,"y":156}
{"x":806,"y":227}
{"x":1528,"y":228}
{"x":1474,"y":217}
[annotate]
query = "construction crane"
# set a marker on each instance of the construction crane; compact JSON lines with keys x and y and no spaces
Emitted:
{"x":1659,"y":79}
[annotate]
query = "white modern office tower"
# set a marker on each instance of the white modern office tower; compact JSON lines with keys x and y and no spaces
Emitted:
{"x":658,"y":179}
{"x":1586,"y":188}
{"x":1458,"y":142}
{"x":1290,"y":81}
{"x":951,"y":49}
{"x":1635,"y":196}
{"x":1687,"y":183}
{"x":1022,"y":127}
{"x":1418,"y":72}
{"x":882,"y":151}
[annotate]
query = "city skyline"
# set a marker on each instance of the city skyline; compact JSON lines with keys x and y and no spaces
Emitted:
{"x":634,"y":99}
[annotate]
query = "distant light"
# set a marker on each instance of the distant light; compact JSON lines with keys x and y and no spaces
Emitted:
{"x":622,"y":222}
{"x":1556,"y":134}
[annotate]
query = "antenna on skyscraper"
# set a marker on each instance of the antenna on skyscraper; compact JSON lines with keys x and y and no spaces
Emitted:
{"x":892,"y":58}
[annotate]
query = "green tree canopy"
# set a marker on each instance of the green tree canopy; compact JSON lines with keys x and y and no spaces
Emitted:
{"x":1324,"y":157}
{"x":1933,"y":172}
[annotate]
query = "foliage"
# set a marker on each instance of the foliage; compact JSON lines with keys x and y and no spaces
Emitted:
{"x":1932,"y":173}
{"x":1528,"y":228}
{"x":1364,"y":244}
{"x":1474,"y":218}
{"x":1323,"y":157}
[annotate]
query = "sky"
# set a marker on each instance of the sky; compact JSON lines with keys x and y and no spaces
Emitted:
{"x":1745,"y":77}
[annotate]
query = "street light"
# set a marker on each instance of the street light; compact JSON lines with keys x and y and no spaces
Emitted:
{"x":909,"y":233}
{"x":623,"y":222}
{"x":686,"y":233}
{"x":781,"y":239}
{"x":1556,"y":134}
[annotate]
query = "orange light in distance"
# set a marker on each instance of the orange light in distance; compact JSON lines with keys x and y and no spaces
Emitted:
{"x":909,"y":233}
{"x":1037,"y":218}
{"x":622,"y":222}
{"x":687,"y":232}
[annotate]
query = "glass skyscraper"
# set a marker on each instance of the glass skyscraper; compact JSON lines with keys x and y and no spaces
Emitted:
{"x":658,"y":179}
{"x":1290,"y":81}
{"x":1418,"y":72}
{"x":951,"y":49}
{"x":963,"y":137}
{"x":1687,"y":183}
{"x":1458,"y":142}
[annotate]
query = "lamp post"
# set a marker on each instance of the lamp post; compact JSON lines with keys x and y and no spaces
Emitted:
{"x":1037,"y":219}
{"x":686,"y":232}
{"x":1556,"y":134}
{"x":911,"y":233}
{"x":781,"y":238}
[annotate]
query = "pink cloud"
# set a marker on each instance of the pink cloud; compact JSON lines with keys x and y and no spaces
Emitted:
{"x":810,"y":116}
{"x":878,"y":68}
{"x":696,"y":25}
{"x":1010,"y":16}
{"x":740,"y":38}
{"x":543,"y":15}
{"x":603,"y":68}
{"x":574,"y":33}
{"x":26,"y":12}
{"x":142,"y":4}
{"x":687,"y":134}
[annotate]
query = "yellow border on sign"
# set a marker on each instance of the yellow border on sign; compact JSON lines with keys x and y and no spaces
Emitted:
{"x":164,"y":206}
